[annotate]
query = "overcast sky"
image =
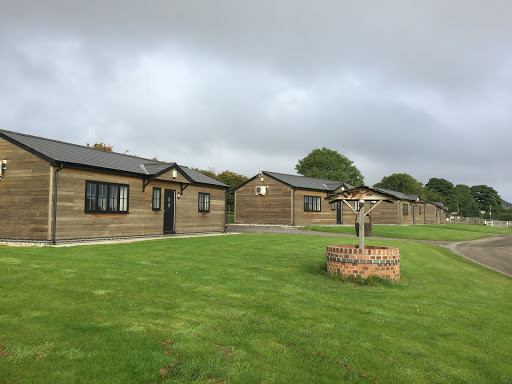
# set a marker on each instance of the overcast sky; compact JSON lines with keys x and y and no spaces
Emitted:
{"x":418,"y":87}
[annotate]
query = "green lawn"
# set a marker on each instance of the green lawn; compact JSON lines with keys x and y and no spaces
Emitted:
{"x":434,"y":232}
{"x":247,"y":309}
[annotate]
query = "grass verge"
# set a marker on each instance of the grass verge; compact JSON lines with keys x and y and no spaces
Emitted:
{"x":432,"y":232}
{"x":247,"y":309}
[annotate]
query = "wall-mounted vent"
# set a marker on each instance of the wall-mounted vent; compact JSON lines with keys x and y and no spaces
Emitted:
{"x":261,"y":190}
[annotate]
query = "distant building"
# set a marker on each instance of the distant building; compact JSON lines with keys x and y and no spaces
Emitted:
{"x":277,"y":198}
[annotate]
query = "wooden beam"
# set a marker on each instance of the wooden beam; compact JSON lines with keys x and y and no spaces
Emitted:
{"x":361,"y":224}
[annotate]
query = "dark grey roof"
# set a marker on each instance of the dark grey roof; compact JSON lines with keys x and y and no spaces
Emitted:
{"x":310,"y":183}
{"x":398,"y":195}
{"x":439,"y":204}
{"x":57,"y":152}
{"x":199,"y":178}
{"x":403,"y":196}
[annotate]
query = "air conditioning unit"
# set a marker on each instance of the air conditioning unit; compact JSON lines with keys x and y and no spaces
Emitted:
{"x":261,"y":190}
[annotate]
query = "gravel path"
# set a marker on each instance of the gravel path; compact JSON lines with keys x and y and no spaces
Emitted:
{"x":493,"y":252}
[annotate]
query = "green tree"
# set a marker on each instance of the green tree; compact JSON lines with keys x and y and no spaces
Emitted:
{"x":431,"y":195}
{"x":330,"y":165}
{"x":233,"y":180}
{"x":442,"y":186}
{"x":464,"y":201}
{"x":444,"y":189}
{"x":401,"y":182}
{"x":487,"y":198}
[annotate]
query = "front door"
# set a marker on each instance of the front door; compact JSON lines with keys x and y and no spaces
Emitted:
{"x":339,"y":212}
{"x":169,"y":211}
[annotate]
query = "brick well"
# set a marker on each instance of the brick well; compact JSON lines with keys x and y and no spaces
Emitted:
{"x":349,"y":260}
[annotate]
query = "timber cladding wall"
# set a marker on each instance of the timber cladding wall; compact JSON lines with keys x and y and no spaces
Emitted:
{"x":326,"y":215}
{"x":431,"y":214}
{"x":408,"y":214}
{"x":73,"y":222}
{"x":188,"y":217}
{"x":273,"y":208}
{"x":24,"y":194}
{"x":387,"y":213}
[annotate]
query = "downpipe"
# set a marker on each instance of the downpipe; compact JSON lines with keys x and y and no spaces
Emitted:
{"x":56,"y":181}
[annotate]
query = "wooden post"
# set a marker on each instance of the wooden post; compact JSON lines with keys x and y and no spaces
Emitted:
{"x":361,"y":224}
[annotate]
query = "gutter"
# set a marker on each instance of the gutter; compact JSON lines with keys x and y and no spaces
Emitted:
{"x":226,"y":221}
{"x":56,"y":180}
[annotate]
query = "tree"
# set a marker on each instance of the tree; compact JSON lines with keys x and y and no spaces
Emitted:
{"x":233,"y":180}
{"x":401,"y":182}
{"x":445,"y":190}
{"x":330,"y":165}
{"x":442,"y":186}
{"x":464,"y":201}
{"x":431,"y":195}
{"x":102,"y":146}
{"x":487,"y":198}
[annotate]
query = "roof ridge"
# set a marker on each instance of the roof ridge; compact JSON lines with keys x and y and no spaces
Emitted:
{"x":82,"y":146}
{"x":308,"y":177}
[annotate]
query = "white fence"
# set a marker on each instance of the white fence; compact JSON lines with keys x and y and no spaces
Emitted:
{"x":498,"y":223}
{"x":477,"y":220}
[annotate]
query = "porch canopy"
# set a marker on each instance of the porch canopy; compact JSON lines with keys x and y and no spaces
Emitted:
{"x":362,"y":194}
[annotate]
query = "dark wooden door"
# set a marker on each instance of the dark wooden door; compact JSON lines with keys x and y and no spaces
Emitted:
{"x":169,"y":210}
{"x":339,"y":212}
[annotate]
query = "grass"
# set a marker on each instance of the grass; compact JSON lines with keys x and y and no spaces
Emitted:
{"x":433,"y":232}
{"x":247,"y":309}
{"x":231,"y":218}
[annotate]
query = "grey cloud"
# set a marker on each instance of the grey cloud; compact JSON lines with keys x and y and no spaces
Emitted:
{"x":399,"y":86}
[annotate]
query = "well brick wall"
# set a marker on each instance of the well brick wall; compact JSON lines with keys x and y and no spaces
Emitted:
{"x":349,"y":260}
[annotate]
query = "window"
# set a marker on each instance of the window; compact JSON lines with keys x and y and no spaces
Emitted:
{"x":357,"y":207}
{"x":405,"y":209}
{"x":105,"y":197}
{"x":204,"y":202}
{"x":312,"y":203}
{"x":157,"y":194}
{"x":333,"y":206}
{"x":420,"y":210}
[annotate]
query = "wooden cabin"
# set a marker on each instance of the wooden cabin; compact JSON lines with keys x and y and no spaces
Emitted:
{"x":410,"y":210}
{"x":277,"y":198}
{"x":51,"y":191}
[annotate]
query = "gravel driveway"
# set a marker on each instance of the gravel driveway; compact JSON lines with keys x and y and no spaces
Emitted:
{"x":493,"y":252}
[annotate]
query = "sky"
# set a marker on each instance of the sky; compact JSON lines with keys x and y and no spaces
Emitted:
{"x":417,"y":87}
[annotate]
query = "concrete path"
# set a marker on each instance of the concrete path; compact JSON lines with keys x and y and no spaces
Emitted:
{"x":492,"y":252}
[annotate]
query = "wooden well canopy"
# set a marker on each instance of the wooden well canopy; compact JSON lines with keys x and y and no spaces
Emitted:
{"x":362,"y":194}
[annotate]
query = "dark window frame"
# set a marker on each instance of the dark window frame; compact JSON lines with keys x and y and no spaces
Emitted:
{"x":419,"y":210}
{"x":312,"y":203}
{"x":112,"y":204}
{"x":203,"y":202}
{"x":405,"y":209}
{"x":154,"y":206}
